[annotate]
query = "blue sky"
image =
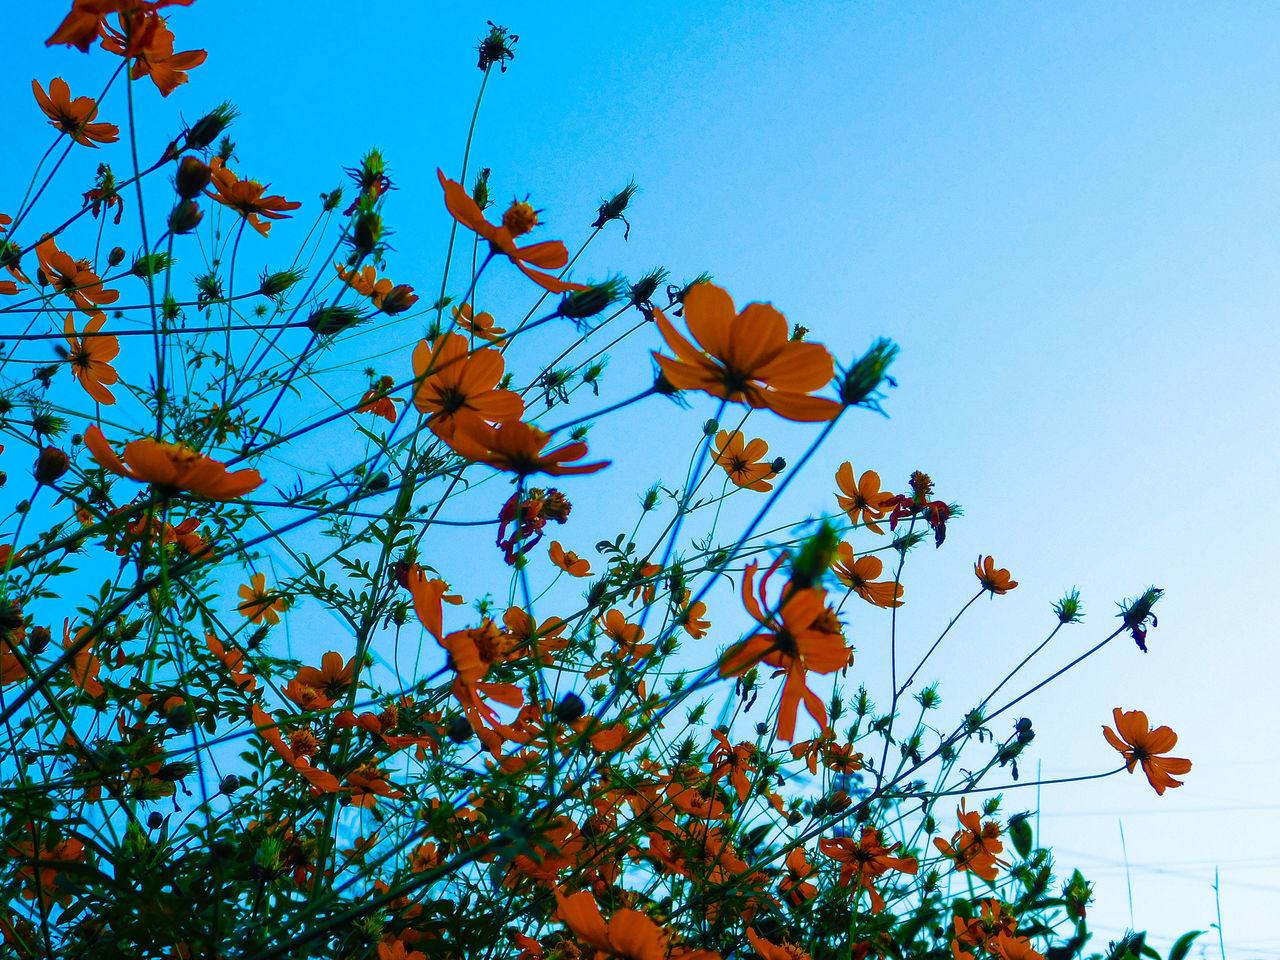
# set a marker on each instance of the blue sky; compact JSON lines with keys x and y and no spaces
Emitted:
{"x":1065,"y":215}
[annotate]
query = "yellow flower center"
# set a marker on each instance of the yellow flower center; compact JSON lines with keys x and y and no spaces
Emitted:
{"x":520,"y":218}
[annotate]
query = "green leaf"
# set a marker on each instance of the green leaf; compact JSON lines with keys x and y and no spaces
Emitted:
{"x":1020,"y":834}
{"x":1179,"y":950}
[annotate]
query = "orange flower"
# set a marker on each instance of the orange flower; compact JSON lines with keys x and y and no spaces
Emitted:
{"x":540,"y":640}
{"x":331,"y":680}
{"x":627,"y":935}
{"x":11,"y":668}
{"x":857,"y":574}
{"x":691,"y":618}
{"x":378,"y":403}
{"x":479,"y":324}
{"x":73,"y":117}
{"x":84,"y":665}
{"x":863,"y":499}
{"x":517,"y":447}
{"x":90,"y":359}
{"x":735,"y":762}
{"x":153,"y":530}
{"x":519,"y":219}
{"x":866,"y":859}
{"x":171,"y":467}
{"x":44,"y":868}
{"x":80,"y":27}
{"x":233,"y":660}
{"x":260,"y":604}
{"x":245,"y":197}
{"x":386,"y":296}
{"x":997,"y":581}
{"x":626,"y":635}
{"x":1006,"y":947}
{"x":147,"y":39}
{"x":429,"y":597}
{"x":1138,"y":743}
{"x":569,"y":562}
{"x":748,"y":357}
{"x":795,"y":884}
{"x":73,"y":277}
{"x":458,"y":385}
{"x":395,"y":949}
{"x":994,"y":925}
{"x":802,"y":635}
{"x":975,"y":846}
{"x":768,"y":950}
{"x":365,"y":282}
{"x":322,"y":781}
{"x":474,"y":650}
{"x":367,"y":784}
{"x":745,"y":465}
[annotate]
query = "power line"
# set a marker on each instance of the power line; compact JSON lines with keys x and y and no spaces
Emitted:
{"x":1154,"y":812}
{"x":1178,"y":874}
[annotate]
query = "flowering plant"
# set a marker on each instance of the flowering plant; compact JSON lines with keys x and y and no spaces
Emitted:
{"x":505,"y":748}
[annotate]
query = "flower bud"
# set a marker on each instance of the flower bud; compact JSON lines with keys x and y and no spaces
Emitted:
{"x":570,"y":708}
{"x":173,"y":772}
{"x":193,"y":176}
{"x":11,"y":617}
{"x":115,"y":257}
{"x":642,"y":290}
{"x":209,"y":127}
{"x":330,"y":321}
{"x":332,"y":199}
{"x":480,"y":191}
{"x":581,"y":304}
{"x":613,"y":208}
{"x":51,"y":464}
{"x":275,"y":284}
{"x":186,"y":217}
{"x":37,"y":639}
{"x":230,"y":784}
{"x":1067,"y":609}
{"x":497,"y":47}
{"x":398,"y":299}
{"x":459,"y":730}
{"x":367,"y":231}
{"x":371,"y":176}
{"x":154,"y":821}
{"x":859,"y":384}
{"x":400,"y":572}
{"x":148,"y":265}
{"x":814,"y":557}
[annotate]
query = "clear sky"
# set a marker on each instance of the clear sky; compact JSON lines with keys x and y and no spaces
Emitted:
{"x":1064,"y":214}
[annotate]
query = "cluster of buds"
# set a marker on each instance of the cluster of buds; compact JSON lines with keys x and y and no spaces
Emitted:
{"x":935,"y":512}
{"x":529,"y":512}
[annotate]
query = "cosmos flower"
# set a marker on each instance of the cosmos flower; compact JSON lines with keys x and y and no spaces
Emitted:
{"x":746,"y":357}
{"x":90,"y":358}
{"x":1138,"y":743}
{"x":73,"y":117}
